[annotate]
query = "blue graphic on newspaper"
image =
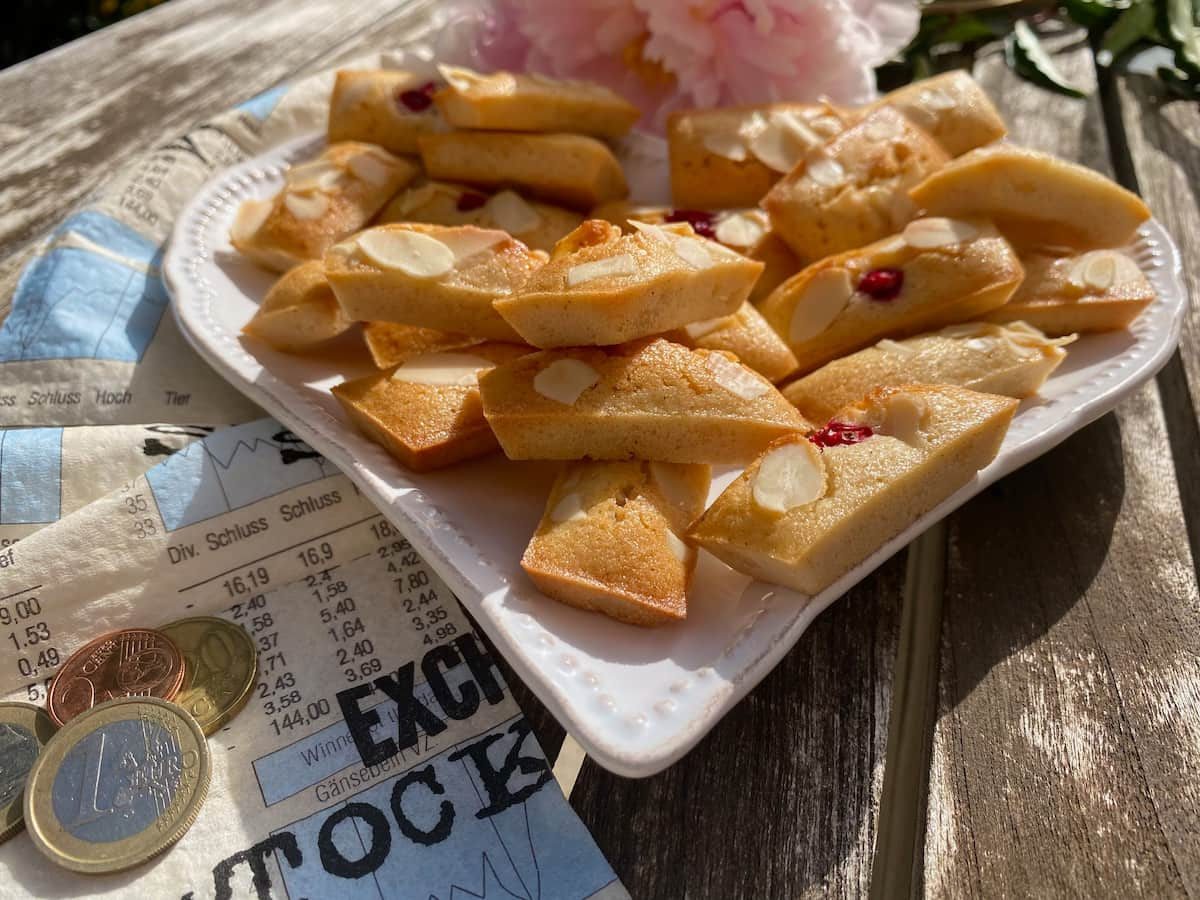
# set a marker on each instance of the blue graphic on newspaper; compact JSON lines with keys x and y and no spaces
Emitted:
{"x":30,"y":475}
{"x":264,"y":104}
{"x":232,"y":468}
{"x":96,"y":293}
{"x":430,"y":832}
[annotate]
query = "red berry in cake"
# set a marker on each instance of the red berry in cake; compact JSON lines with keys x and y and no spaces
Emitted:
{"x":837,"y":434}
{"x":702,"y":222}
{"x":469,"y":200}
{"x":420,"y":99}
{"x":882,"y":284}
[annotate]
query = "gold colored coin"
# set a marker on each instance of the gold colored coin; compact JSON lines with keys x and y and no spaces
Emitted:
{"x":220,"y":665}
{"x":117,"y":785}
{"x":24,"y":731}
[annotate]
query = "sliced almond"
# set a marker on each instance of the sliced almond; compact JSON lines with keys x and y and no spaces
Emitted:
{"x":927,"y":234}
{"x":681,"y":550}
{"x":887,"y":345}
{"x":568,"y":509}
{"x":788,"y":477}
{"x":319,"y":175}
{"x":826,"y":125}
{"x":692,"y":252}
{"x":981,"y":344}
{"x":826,"y":171}
{"x":513,"y":213}
{"x":825,"y":296}
{"x":610,"y":267}
{"x":671,"y":483}
{"x":410,"y":252}
{"x":783,"y":141}
{"x":659,"y":233}
{"x":736,"y":378}
{"x":459,"y":78}
{"x":564,"y":380}
{"x":728,"y":146}
{"x":878,"y":128}
{"x":467,"y":242}
{"x":370,"y":168}
{"x":1100,"y":271}
{"x":903,"y":416}
{"x":937,"y":98}
{"x":443,"y":369}
{"x":307,"y":206}
{"x":699,"y":329}
{"x":250,"y":218}
{"x":742,"y":229}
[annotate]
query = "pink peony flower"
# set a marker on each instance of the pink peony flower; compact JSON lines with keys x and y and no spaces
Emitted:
{"x":672,"y":54}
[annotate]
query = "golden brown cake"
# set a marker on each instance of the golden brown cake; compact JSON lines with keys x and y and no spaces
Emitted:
{"x":747,"y":336}
{"x":854,"y":189}
{"x":934,"y":273}
{"x":1101,"y":290}
{"x":571,"y":169}
{"x":387,"y":107}
{"x":299,"y":311}
{"x":1035,"y":194}
{"x":322,"y":201}
{"x":391,"y":343}
{"x":504,"y":101}
{"x":537,"y":225}
{"x":602,"y":287}
{"x":649,"y":400}
{"x":609,"y":539}
{"x":810,"y":509}
{"x":431,"y":276}
{"x":748,"y":231}
{"x":952,"y":107}
{"x":1013,"y":360}
{"x":730,"y":157}
{"x":425,"y":411}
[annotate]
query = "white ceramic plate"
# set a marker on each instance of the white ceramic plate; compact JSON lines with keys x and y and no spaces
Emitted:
{"x":636,"y":699}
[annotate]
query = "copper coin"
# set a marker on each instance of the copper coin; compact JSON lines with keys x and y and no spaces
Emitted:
{"x":133,"y":662}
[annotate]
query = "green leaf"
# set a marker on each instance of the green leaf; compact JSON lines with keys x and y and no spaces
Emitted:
{"x":1133,"y":25}
{"x":964,"y":30}
{"x":1028,"y":58}
{"x":1092,"y":14}
{"x":1179,"y":28}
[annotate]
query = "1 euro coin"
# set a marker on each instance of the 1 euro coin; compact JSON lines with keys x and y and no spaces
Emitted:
{"x":117,"y":785}
{"x":220,"y":664}
{"x":24,"y":730}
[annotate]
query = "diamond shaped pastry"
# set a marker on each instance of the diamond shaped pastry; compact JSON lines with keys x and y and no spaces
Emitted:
{"x":810,"y":509}
{"x":610,"y":539}
{"x":934,"y":273}
{"x":652,"y":400}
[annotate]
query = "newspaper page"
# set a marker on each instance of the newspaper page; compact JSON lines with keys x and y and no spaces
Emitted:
{"x":381,"y":754}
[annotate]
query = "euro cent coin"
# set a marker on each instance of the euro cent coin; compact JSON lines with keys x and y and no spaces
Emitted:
{"x":117,"y":785}
{"x":24,"y":730}
{"x":132,"y":662}
{"x":220,"y":667}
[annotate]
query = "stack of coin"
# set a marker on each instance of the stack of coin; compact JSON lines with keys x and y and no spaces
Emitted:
{"x":128,"y":770}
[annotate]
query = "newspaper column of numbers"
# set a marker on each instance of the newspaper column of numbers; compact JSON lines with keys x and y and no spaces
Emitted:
{"x":421,"y":605}
{"x":342,"y":622}
{"x":279,"y":692}
{"x":28,"y":636}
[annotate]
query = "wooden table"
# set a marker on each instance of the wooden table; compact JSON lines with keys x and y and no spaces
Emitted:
{"x":1010,"y":707}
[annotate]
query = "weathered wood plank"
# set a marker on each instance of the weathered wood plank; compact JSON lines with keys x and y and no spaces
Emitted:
{"x":1066,"y":756}
{"x":71,"y":115}
{"x":1161,"y":157}
{"x":780,"y":800}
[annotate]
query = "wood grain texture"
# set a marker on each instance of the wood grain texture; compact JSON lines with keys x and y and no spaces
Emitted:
{"x":68,"y":117}
{"x":781,"y":798}
{"x":1066,"y":755}
{"x":1159,"y":156}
